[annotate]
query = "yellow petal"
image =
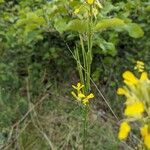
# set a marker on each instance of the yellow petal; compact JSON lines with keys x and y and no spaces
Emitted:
{"x":147,"y":141}
{"x":124,"y":130}
{"x":90,"y":96}
{"x":81,"y":95}
{"x":85,"y":101}
{"x":140,"y":62}
{"x":74,"y":86}
{"x":78,"y":87}
{"x":74,"y":95}
{"x":134,"y":109}
{"x":130,"y":78}
{"x":144,"y":76}
{"x":121,"y":91}
{"x":144,"y":130}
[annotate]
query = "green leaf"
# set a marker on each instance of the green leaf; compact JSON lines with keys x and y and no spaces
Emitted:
{"x":134,"y":30}
{"x":106,"y":48}
{"x":2,"y":1}
{"x":60,"y":25}
{"x":108,"y":23}
{"x":78,"y":25}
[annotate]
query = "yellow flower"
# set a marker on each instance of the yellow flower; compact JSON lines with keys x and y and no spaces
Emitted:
{"x":90,"y":2}
{"x":144,"y":130}
{"x":129,"y":78}
{"x":77,"y":10}
{"x":75,"y":96}
{"x":78,"y":87}
{"x":121,"y":91}
{"x":85,"y":101}
{"x":124,"y":130}
{"x":146,"y":135}
{"x":79,"y":96}
{"x":139,"y":66}
{"x":144,"y":76}
{"x":134,"y":109}
{"x":147,"y":141}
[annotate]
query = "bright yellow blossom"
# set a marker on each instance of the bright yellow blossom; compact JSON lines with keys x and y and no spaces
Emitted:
{"x":146,"y":135}
{"x":79,"y":96}
{"x":129,"y":78}
{"x":124,"y":130}
{"x":90,"y":2}
{"x":134,"y":109}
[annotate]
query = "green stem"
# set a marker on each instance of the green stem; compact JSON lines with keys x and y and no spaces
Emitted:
{"x":89,"y":53}
{"x":79,"y":66}
{"x":83,"y":50}
{"x":85,"y":124}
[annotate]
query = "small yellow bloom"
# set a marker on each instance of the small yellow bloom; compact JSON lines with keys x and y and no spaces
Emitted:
{"x":139,"y":66}
{"x":85,"y":101}
{"x":134,"y":109}
{"x":78,"y":87}
{"x":144,"y":76}
{"x":90,"y":2}
{"x":80,"y":94}
{"x":121,"y":91}
{"x":124,"y":130}
{"x":129,"y":78}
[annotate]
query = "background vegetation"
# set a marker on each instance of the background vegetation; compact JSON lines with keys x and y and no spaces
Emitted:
{"x":37,"y":70}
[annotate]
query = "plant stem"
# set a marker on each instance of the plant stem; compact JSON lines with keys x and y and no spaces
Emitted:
{"x":85,"y":124}
{"x":89,"y":52}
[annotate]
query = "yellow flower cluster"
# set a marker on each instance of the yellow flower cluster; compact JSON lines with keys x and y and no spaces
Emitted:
{"x":79,"y":96}
{"x":137,"y":104}
{"x":139,"y":66}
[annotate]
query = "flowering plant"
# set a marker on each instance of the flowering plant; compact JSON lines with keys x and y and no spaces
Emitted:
{"x":137,"y":105}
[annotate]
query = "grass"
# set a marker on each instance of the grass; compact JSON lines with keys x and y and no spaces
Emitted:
{"x":55,"y":123}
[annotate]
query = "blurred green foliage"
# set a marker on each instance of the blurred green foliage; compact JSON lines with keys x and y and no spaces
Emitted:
{"x":34,"y":40}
